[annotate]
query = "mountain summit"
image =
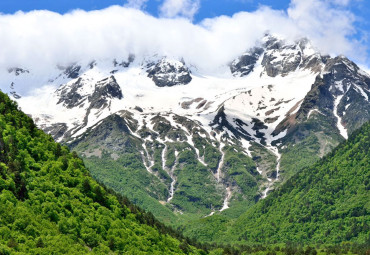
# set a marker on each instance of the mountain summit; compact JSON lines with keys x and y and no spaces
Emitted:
{"x":179,"y":141}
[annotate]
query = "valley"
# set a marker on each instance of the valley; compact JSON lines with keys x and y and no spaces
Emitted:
{"x":198,"y":149}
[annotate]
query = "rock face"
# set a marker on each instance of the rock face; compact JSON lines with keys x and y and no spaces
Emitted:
{"x":105,"y":90}
{"x":245,"y":64}
{"x":168,"y":73}
{"x":343,"y":81}
{"x":75,"y":94}
{"x":281,"y":61}
{"x":124,"y":63}
{"x":17,"y":71}
{"x":72,"y":71}
{"x":70,"y":95}
{"x":56,"y":130}
{"x":282,"y":107}
{"x":279,"y":58}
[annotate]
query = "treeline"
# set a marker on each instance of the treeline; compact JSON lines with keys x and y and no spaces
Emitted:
{"x":50,"y":204}
{"x":327,"y":203}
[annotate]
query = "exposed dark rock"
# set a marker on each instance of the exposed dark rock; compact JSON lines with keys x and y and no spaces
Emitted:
{"x":281,"y":60}
{"x":70,"y":96}
{"x":201,"y":104}
{"x":220,"y":123}
{"x":271,"y":120}
{"x":108,"y":135}
{"x":105,"y":89}
{"x":124,"y":63}
{"x":187,"y":104}
{"x":245,"y":64}
{"x":17,"y":71}
{"x":56,"y":130}
{"x":272,"y":43}
{"x":342,"y":78}
{"x":258,"y":126}
{"x":271,"y":111}
{"x":15,"y":95}
{"x":72,"y":71}
{"x":139,"y":109}
{"x":92,"y":64}
{"x":168,"y":74}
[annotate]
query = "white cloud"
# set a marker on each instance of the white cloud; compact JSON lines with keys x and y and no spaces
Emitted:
{"x":136,"y":4}
{"x":327,"y":25}
{"x":182,"y":8}
{"x":365,"y":68}
{"x":39,"y":40}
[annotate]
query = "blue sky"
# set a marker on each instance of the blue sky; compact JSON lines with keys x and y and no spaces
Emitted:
{"x":209,"y":8}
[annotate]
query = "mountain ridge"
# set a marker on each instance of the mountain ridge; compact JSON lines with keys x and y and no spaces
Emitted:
{"x":50,"y":203}
{"x":282,"y":107}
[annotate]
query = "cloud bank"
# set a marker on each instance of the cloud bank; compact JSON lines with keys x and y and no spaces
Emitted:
{"x":40,"y":39}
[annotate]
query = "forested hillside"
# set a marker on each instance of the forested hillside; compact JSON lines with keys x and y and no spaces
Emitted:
{"x":327,"y":203}
{"x":49,"y":204}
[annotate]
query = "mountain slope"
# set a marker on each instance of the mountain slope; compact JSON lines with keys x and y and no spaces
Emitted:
{"x":328,"y":202}
{"x":50,"y":204}
{"x":184,"y":142}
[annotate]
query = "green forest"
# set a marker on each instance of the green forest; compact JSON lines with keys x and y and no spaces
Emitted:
{"x":49,"y":204}
{"x":326,"y":203}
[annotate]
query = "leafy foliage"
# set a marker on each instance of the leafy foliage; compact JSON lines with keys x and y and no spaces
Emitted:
{"x":197,"y":188}
{"x":310,"y":140}
{"x":328,"y":202}
{"x":50,"y":204}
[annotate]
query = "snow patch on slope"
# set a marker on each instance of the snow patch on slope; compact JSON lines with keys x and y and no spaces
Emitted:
{"x":340,"y":126}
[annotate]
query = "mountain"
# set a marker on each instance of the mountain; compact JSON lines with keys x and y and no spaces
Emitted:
{"x":185,"y":144}
{"x":328,"y":202}
{"x":51,"y":205}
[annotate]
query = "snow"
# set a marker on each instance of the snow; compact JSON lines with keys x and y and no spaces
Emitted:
{"x":275,"y":151}
{"x":150,"y":159}
{"x":221,"y":163}
{"x":259,"y":171}
{"x":360,"y":90}
{"x":139,"y":90}
{"x":173,"y":183}
{"x":227,"y":199}
{"x":190,"y":141}
{"x":245,"y":98}
{"x":240,"y":96}
{"x":339,"y":85}
{"x":280,"y":95}
{"x":246,"y":145}
{"x":314,"y":110}
{"x":163,"y":155}
{"x":271,"y":182}
{"x":210,"y":214}
{"x":264,"y":193}
{"x":341,"y":128}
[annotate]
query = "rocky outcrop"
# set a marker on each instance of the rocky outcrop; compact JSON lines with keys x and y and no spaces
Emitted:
{"x":245,"y":64}
{"x":72,"y":71}
{"x":280,"y":58}
{"x":70,"y":95}
{"x":17,"y":71}
{"x":105,"y":90}
{"x":168,"y":73}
